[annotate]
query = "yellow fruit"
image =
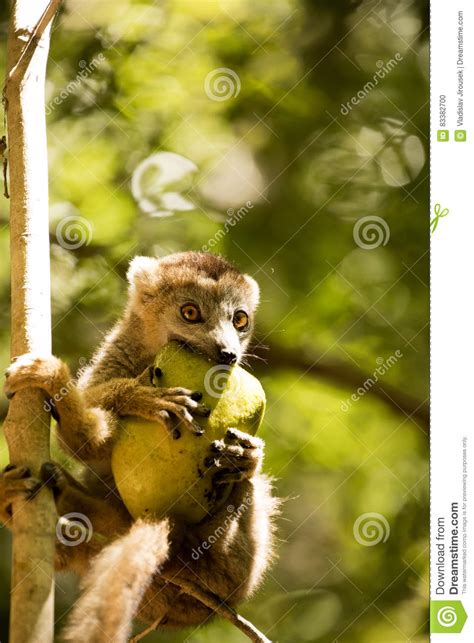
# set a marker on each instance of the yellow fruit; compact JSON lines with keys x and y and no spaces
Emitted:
{"x":157,"y":475}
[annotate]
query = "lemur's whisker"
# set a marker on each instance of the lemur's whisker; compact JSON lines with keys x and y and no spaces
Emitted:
{"x":259,"y":357}
{"x":264,"y":347}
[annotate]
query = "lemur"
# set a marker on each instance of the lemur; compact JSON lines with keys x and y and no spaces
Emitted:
{"x":203,"y":301}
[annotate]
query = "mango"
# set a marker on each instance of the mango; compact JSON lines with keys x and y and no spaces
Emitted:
{"x":158,"y":475}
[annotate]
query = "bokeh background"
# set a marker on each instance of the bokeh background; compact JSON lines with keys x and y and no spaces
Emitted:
{"x":269,"y":169}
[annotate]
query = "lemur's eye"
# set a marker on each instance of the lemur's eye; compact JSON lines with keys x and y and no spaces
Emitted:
{"x":241,"y":320}
{"x":191,"y":313}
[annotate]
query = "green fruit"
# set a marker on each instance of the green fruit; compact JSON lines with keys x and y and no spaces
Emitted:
{"x":158,"y":475}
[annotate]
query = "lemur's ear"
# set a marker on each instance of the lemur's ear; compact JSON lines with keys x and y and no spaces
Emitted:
{"x":254,"y":290}
{"x":143,"y":273}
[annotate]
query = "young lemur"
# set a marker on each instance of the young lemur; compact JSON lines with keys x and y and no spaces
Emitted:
{"x":203,"y":301}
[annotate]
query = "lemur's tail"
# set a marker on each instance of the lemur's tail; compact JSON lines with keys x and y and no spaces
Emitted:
{"x":115,"y":584}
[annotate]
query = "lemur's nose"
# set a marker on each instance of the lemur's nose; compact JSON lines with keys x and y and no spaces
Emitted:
{"x":227,"y":357}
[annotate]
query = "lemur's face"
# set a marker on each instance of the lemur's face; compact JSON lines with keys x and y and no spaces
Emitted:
{"x":216,"y":324}
{"x":210,"y":310}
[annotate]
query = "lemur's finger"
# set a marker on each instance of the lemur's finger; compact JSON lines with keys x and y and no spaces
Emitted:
{"x":225,"y":476}
{"x":243,"y":439}
{"x":232,"y":451}
{"x":186,"y":418}
{"x":236,"y":460}
{"x":173,"y":392}
{"x":173,"y":424}
{"x":217,"y":446}
{"x":202,"y":410}
{"x":234,"y":457}
{"x":19,"y":481}
{"x":52,"y":476}
{"x":27,"y":487}
{"x":192,"y":405}
{"x":165,"y":416}
{"x":146,"y":378}
{"x":12,"y":472}
{"x":211,"y":461}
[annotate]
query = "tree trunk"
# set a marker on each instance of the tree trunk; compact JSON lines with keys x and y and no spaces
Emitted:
{"x":27,"y":427}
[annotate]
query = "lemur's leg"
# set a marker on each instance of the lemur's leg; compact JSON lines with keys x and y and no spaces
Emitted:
{"x":228,"y":553}
{"x":85,"y":523}
{"x":239,"y":536}
{"x":114,"y":586}
{"x":232,"y":564}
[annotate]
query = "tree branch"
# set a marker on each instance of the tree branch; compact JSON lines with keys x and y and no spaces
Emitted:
{"x":27,"y":424}
{"x":218,"y":606}
{"x":148,"y":630}
{"x":347,"y":375}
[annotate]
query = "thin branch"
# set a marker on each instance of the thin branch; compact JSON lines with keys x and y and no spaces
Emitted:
{"x":141,"y":635}
{"x":3,"y":156}
{"x":34,"y":40}
{"x":220,"y":607}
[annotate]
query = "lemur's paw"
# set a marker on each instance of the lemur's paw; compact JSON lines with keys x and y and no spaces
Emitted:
{"x":53,"y":477}
{"x":175,"y":406}
{"x":237,"y":457}
{"x":16,"y":482}
{"x":32,"y":371}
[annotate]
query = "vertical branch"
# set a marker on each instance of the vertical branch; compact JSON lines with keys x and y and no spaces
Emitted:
{"x":27,"y":424}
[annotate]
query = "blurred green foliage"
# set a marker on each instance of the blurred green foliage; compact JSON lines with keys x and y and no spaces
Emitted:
{"x":310,"y":173}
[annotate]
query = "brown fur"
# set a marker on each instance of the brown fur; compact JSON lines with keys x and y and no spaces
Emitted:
{"x":121,"y":562}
